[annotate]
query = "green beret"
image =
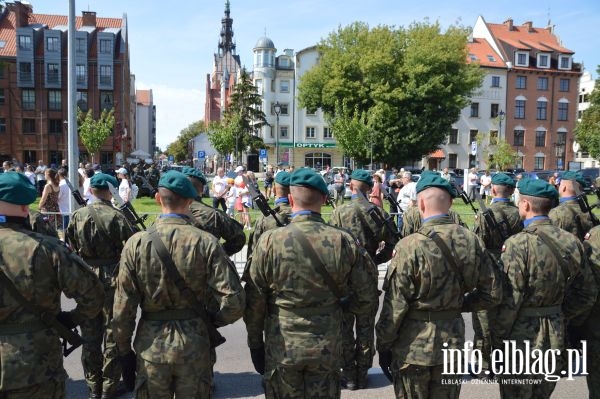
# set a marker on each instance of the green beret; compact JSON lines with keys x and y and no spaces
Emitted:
{"x":502,"y":179}
{"x":363,"y":176}
{"x":178,"y":183}
{"x":308,"y":178}
{"x":576,"y":176}
{"x":283,"y":178}
{"x":432,"y":179}
{"x":193,"y":172}
{"x":101,"y":180}
{"x":15,"y":188}
{"x":537,"y":188}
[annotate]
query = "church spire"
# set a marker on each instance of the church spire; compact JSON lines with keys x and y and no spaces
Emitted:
{"x":226,"y":43}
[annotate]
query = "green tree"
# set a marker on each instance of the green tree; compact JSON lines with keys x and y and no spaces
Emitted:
{"x":180,"y":148}
{"x":406,"y":85}
{"x":93,"y":133}
{"x":587,"y":131}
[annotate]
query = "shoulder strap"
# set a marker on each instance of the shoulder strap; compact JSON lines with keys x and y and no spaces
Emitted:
{"x":97,"y":220}
{"x":320,"y":268}
{"x":563,"y":263}
{"x":445,"y":251}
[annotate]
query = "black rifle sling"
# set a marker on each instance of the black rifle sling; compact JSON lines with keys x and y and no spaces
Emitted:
{"x":445,"y":251}
{"x":97,"y":220}
{"x":320,"y":268}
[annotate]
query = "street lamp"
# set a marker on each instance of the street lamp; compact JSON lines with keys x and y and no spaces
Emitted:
{"x":277,"y":109}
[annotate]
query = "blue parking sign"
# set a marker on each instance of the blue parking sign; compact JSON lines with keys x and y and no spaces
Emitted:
{"x":201,"y":154}
{"x":262,"y":153}
{"x":171,"y":158}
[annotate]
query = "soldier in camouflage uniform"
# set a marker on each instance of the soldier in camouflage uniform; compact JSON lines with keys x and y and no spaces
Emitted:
{"x":98,"y":232}
{"x":282,"y":209}
{"x":591,"y":333}
{"x":509,"y":222}
{"x":412,"y":220}
{"x":40,"y":224}
{"x":425,"y":293}
{"x":568,"y":214}
{"x":213,"y":220}
{"x":40,"y":267}
{"x":172,"y":344}
{"x":290,"y":300}
{"x":548,"y":282}
{"x":366,"y":222}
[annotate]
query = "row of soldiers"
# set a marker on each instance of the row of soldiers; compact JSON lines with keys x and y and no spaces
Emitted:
{"x":308,"y":286}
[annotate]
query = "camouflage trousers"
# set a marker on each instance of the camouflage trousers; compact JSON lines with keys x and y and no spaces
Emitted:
{"x":101,"y":370}
{"x":540,"y":390}
{"x":46,"y":390}
{"x":358,"y":352}
{"x":423,"y":382}
{"x":593,"y":368}
{"x":482,"y":339}
{"x":154,"y":380}
{"x":293,"y":383}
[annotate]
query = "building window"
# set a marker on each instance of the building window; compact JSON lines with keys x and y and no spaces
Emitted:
{"x":474,"y":110}
{"x":259,"y":86}
{"x":494,"y":109}
{"x":25,"y":42}
{"x":453,"y":136}
{"x":284,"y":108}
{"x":495,"y":81}
{"x":519,"y":137}
{"x":452,"y":161}
{"x":310,"y":132}
{"x":54,"y":100}
{"x":522,"y":58}
{"x":543,"y":60}
{"x":25,"y":74}
{"x":80,"y":45}
{"x":28,"y":100}
{"x":2,"y":125}
{"x":52,"y":73}
{"x":284,"y":62}
{"x":542,"y":83}
{"x":52,"y":44}
{"x":106,"y":75}
{"x":564,"y":62}
{"x":561,"y":138}
{"x":55,"y":126}
{"x":541,"y":110}
{"x":106,"y":158}
{"x":82,"y":100}
{"x":283,"y":132}
{"x":106,"y":100}
{"x":273,"y":85}
{"x":317,"y":160}
{"x":311,"y":111}
{"x":540,"y":138}
{"x":520,"y":109}
{"x":105,"y":46}
{"x":2,"y":97}
{"x":55,"y":157}
{"x":81,"y":74}
{"x":564,"y":85}
{"x":473,"y":135}
{"x":521,"y":82}
{"x":2,"y":72}
{"x":327,"y":133}
{"x":28,"y":125}
{"x":563,"y":111}
{"x":538,"y":163}
{"x":284,"y":86}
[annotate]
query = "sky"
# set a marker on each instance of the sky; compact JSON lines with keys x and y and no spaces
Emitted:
{"x":172,"y":44}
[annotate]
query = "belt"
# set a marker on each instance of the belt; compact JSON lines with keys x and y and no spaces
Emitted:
{"x":21,"y":328}
{"x":170,"y":314}
{"x":425,"y":315}
{"x":540,"y":311}
{"x":303,"y":312}
{"x":95,"y":262}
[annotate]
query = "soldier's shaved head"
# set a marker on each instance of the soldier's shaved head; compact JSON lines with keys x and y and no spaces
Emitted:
{"x":538,"y":205}
{"x":172,"y":202}
{"x":433,"y":201}
{"x":500,"y":190}
{"x":305,"y":198}
{"x":568,"y":188}
{"x":282,"y":191}
{"x":360,"y":186}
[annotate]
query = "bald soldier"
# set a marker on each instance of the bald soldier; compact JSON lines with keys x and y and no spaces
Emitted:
{"x":300,"y":277}
{"x":366,"y":221}
{"x":425,"y":292}
{"x":172,"y":338}
{"x":548,"y":283}
{"x":40,"y":268}
{"x":568,"y":214}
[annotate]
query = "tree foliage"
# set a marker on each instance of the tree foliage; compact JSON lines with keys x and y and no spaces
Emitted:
{"x":241,"y":120}
{"x":93,"y":133}
{"x":587,"y":131}
{"x":407,"y":86}
{"x":180,"y":148}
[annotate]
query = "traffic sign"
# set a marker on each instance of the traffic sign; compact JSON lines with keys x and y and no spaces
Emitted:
{"x":262,"y":153}
{"x":171,"y":158}
{"x":201,"y":154}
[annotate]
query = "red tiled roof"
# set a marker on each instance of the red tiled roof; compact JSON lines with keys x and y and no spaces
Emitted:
{"x":142,"y":97}
{"x":481,"y":49}
{"x":439,"y":154}
{"x":537,"y":38}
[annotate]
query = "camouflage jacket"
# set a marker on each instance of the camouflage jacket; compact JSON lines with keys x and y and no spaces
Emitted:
{"x":411,"y":221}
{"x":40,"y":224}
{"x":143,"y":282}
{"x":536,"y":279}
{"x":419,"y":277}
{"x":217,"y":223}
{"x":568,"y":216}
{"x":41,"y":268}
{"x":507,"y":217}
{"x":289,"y":300}
{"x":93,"y":242}
{"x":265,"y":223}
{"x":592,"y":249}
{"x":370,"y":230}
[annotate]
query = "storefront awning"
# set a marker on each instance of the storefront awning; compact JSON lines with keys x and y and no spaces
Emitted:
{"x":439,"y":154}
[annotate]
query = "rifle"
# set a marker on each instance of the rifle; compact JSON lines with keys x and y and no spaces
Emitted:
{"x":67,"y":335}
{"x":585,"y":206}
{"x":490,"y":219}
{"x":146,"y":184}
{"x":127,"y":209}
{"x":261,"y":202}
{"x":399,"y":212}
{"x":465,"y":197}
{"x":76,"y":194}
{"x":330,"y":201}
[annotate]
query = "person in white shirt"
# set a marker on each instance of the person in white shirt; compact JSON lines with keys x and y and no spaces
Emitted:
{"x":486,"y":185}
{"x":219,"y":189}
{"x":408,"y":193}
{"x":30,"y":174}
{"x":40,"y":176}
{"x":87,"y":191}
{"x":472,"y":180}
{"x":63,"y":196}
{"x":124,"y":186}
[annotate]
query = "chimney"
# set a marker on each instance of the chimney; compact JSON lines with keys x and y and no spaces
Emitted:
{"x":88,"y":18}
{"x":22,"y":13}
{"x":528,"y":25}
{"x":509,"y":23}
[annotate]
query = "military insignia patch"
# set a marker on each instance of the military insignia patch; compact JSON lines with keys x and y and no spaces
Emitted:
{"x":503,"y":248}
{"x":587,"y":236}
{"x":393,"y":254}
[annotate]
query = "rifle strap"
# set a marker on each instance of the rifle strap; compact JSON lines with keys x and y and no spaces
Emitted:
{"x":562,"y":262}
{"x":445,"y":251}
{"x":97,"y":221}
{"x":316,"y":260}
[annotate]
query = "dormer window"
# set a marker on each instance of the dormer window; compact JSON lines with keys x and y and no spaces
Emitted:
{"x":543,"y":60}
{"x":564,"y":62}
{"x":522,"y":58}
{"x":284,"y":62}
